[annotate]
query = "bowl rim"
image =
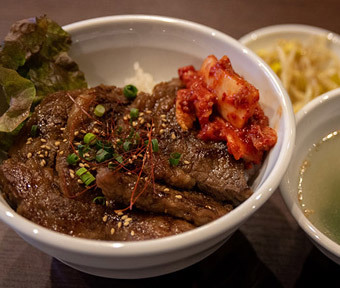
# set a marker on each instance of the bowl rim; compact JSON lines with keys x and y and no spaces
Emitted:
{"x":200,"y":234}
{"x":314,"y":233}
{"x":275,"y":30}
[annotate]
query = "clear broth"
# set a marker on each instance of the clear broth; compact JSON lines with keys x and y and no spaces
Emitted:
{"x":319,"y":186}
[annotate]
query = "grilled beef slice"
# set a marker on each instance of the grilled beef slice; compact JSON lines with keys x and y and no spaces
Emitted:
{"x":205,"y":166}
{"x":192,"y":206}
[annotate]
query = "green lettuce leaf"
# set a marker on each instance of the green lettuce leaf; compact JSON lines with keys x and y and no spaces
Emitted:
{"x":36,"y":49}
{"x":19,"y":94}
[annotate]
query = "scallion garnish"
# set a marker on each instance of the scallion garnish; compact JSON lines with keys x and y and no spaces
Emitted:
{"x":118,"y":158}
{"x":134,"y":113}
{"x":99,"y":200}
{"x":90,"y":138}
{"x":72,"y":159}
{"x":102,"y":155}
{"x":174,"y":158}
{"x":34,"y":130}
{"x":130,"y":92}
{"x":85,"y":176}
{"x":99,"y":110}
{"x":154,"y":143}
{"x":127,"y":145}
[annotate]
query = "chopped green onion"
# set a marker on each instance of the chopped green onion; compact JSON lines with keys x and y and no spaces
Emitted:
{"x":119,"y":158}
{"x":85,"y":176}
{"x":34,"y":130}
{"x":90,"y":138}
{"x":119,"y":129}
{"x":102,"y":155}
{"x":134,"y":113}
{"x":72,"y":159}
{"x":174,"y":158}
{"x":130,"y":92}
{"x":127,"y":145}
{"x":154,"y":143}
{"x":99,"y":200}
{"x":99,"y":110}
{"x":106,"y":146}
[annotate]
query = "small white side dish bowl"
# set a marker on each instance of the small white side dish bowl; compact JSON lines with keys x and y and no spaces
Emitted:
{"x":315,"y":120}
{"x":266,"y":37}
{"x":106,"y":49}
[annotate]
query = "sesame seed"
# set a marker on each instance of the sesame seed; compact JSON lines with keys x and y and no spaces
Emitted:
{"x":112,"y":231}
{"x":30,"y":139}
{"x":179,"y":196}
{"x":48,"y":147}
{"x":29,"y":155}
{"x":41,"y":155}
{"x":46,"y":153}
{"x":65,"y":140}
{"x":81,"y":165}
{"x":134,"y":156}
{"x":79,"y":181}
{"x":142,"y":121}
{"x":163,"y":125}
{"x":132,"y":233}
{"x":130,"y":161}
{"x":43,"y":146}
{"x":57,"y":143}
{"x":71,"y":171}
{"x":106,"y":202}
{"x":86,"y":155}
{"x":77,"y":143}
{"x":72,"y":176}
{"x":28,"y":142}
{"x":148,"y":111}
{"x":42,"y":163}
{"x":173,"y":136}
{"x":39,"y":152}
{"x":148,"y":125}
{"x":43,"y":140}
{"x":134,"y":123}
{"x":61,"y":153}
{"x":119,"y":224}
{"x":161,"y":131}
{"x":119,"y":213}
{"x":76,"y":133}
{"x":125,"y":217}
{"x":95,"y":130}
{"x":163,"y":116}
{"x":128,"y":220}
{"x":146,"y":178}
{"x":125,"y":118}
{"x":129,"y":173}
{"x":141,"y":114}
{"x":164,"y":120}
{"x":105,"y":218}
{"x":186,"y":162}
{"x":62,"y":129}
{"x":126,"y":223}
{"x":83,"y":131}
{"x":87,"y":165}
{"x":166,"y":190}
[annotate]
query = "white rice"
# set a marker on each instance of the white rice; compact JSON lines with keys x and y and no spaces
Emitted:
{"x":142,"y":80}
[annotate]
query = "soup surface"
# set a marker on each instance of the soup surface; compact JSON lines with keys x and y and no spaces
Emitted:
{"x":319,"y":186}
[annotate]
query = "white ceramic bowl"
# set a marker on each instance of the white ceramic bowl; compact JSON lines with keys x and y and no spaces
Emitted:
{"x":106,"y":48}
{"x":315,"y":120}
{"x":266,"y":37}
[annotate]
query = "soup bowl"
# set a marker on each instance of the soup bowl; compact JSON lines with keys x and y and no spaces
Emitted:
{"x":105,"y":49}
{"x":316,"y":120}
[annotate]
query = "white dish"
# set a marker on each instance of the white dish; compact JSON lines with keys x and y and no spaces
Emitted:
{"x":315,"y":120}
{"x":105,"y":49}
{"x":266,"y":37}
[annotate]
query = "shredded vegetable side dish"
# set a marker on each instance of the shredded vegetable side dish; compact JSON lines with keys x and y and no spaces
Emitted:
{"x":306,"y":69}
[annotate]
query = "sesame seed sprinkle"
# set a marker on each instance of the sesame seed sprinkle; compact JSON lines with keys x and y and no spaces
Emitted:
{"x":105,"y":218}
{"x":173,"y":136}
{"x":29,"y":155}
{"x":132,"y":233}
{"x":148,"y":111}
{"x":119,"y":224}
{"x":125,"y":217}
{"x":166,"y":190}
{"x":57,"y":143}
{"x":112,"y":231}
{"x":42,"y":163}
{"x":179,"y":196}
{"x":186,"y":162}
{"x":43,"y":140}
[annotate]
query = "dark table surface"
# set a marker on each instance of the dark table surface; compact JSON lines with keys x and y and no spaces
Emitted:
{"x":269,"y":250}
